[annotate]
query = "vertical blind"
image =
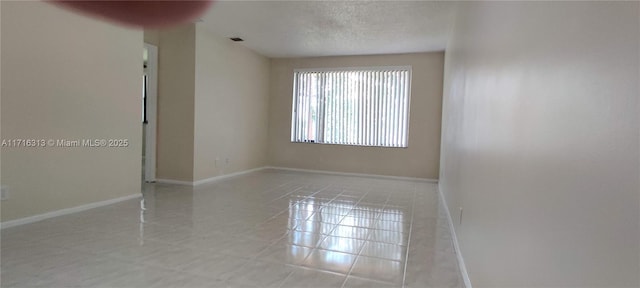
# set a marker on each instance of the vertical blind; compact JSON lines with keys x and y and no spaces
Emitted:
{"x":367,"y":107}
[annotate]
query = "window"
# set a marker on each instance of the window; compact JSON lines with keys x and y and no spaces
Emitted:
{"x":356,"y":106}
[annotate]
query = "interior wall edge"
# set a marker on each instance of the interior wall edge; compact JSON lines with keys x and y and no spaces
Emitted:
{"x":456,"y":245}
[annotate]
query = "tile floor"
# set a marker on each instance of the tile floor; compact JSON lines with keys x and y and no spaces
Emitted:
{"x":265,"y":229}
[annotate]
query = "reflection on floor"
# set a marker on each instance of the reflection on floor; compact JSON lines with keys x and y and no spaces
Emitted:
{"x":265,"y":229}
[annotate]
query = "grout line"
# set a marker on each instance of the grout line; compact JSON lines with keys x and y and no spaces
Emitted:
{"x":320,"y":241}
{"x":291,"y":229}
{"x":406,"y":258}
{"x":286,"y":278}
{"x":277,"y":214}
{"x":365,"y":242}
{"x":274,"y":188}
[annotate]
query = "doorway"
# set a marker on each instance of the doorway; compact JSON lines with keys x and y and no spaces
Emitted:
{"x":149,"y":112}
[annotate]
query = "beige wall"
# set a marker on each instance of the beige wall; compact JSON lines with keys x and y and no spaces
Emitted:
{"x":67,"y":77}
{"x":212,"y":104}
{"x":176,"y":88}
{"x":420,"y":159}
{"x":540,"y":143}
{"x":231,"y":107}
{"x":152,"y":37}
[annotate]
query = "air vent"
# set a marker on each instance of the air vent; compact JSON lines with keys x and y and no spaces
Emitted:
{"x":236,"y":39}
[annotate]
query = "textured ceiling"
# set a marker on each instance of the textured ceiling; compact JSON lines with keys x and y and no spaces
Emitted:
{"x":323,"y":28}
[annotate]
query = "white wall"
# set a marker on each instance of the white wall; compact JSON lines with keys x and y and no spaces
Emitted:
{"x":541,"y":143}
{"x":66,"y":76}
{"x":420,"y":159}
{"x":231,"y":106}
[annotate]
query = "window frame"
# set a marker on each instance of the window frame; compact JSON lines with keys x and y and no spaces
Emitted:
{"x":294,"y":102}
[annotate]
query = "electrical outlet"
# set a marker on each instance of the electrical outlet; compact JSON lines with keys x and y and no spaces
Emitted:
{"x":4,"y":193}
{"x":217,"y":161}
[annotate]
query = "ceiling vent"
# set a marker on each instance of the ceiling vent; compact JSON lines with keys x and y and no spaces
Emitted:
{"x":236,"y":39}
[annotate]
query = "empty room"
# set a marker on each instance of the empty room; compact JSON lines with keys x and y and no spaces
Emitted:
{"x":444,"y":144}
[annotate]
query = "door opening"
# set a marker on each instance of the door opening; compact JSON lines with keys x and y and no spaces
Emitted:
{"x":149,"y":112}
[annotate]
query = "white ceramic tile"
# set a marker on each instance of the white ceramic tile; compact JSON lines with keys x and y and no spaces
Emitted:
{"x":302,"y":278}
{"x":356,"y":282}
{"x":261,"y":274}
{"x":306,"y":239}
{"x":285,"y":253}
{"x":350,"y":232}
{"x":379,"y":269}
{"x":387,"y":236}
{"x":313,"y":226}
{"x":342,"y":244}
{"x":244,"y":247}
{"x":215,"y":266}
{"x":327,"y":260}
{"x":384,"y":250}
{"x":265,"y":229}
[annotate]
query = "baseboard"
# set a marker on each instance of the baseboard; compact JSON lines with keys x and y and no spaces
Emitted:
{"x":176,"y":182}
{"x":209,"y":180}
{"x":353,"y":174}
{"x":40,"y":217}
{"x":221,"y":177}
{"x":461,"y":265}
